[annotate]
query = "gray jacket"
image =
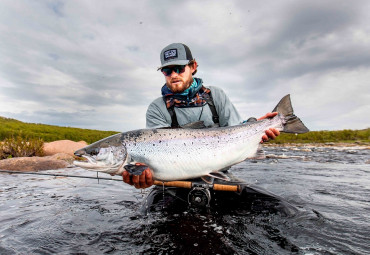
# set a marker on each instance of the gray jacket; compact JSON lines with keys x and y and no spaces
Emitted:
{"x":157,"y":115}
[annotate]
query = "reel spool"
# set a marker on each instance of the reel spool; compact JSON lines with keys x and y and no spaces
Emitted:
{"x":199,"y":197}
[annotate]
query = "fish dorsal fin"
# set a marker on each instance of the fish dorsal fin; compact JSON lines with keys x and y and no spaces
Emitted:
{"x":195,"y":125}
{"x":219,"y":175}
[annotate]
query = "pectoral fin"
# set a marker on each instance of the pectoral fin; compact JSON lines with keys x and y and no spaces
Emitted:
{"x":207,"y":179}
{"x":135,"y":169}
{"x":219,"y":175}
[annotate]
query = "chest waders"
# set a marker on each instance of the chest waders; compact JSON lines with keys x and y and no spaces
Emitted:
{"x":209,"y":100}
{"x":199,"y":194}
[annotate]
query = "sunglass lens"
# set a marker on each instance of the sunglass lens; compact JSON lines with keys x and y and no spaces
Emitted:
{"x":177,"y":69}
{"x":167,"y":71}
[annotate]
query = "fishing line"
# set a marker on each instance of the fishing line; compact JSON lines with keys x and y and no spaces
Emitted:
{"x":62,"y":175}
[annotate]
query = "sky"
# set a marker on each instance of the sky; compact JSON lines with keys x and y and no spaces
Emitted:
{"x":93,"y":64}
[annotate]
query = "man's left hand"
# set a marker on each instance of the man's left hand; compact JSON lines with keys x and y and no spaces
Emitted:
{"x":271,"y":133}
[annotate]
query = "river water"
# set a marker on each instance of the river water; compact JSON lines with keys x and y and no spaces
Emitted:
{"x":323,"y":195}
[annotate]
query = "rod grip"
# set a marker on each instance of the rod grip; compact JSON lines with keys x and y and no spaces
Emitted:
{"x":221,"y":187}
{"x":179,"y":184}
{"x":188,"y":185}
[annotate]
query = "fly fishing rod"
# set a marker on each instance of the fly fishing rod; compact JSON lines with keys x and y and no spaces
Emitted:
{"x":178,"y":184}
{"x":199,"y":194}
{"x":61,"y":175}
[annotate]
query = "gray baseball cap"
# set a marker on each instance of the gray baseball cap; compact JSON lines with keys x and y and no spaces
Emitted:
{"x":175,"y":54}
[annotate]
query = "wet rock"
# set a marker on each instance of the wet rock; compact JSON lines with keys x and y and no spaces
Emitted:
{"x":62,"y":146}
{"x":33,"y":163}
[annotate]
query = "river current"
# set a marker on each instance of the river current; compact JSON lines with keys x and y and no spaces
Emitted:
{"x":324,"y":194}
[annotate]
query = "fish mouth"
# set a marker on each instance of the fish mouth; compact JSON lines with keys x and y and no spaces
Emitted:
{"x":79,"y":153}
{"x":92,"y":164}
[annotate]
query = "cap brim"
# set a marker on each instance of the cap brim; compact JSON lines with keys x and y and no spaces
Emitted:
{"x":174,"y":63}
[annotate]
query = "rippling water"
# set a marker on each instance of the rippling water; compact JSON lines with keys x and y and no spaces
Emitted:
{"x":326,"y":192}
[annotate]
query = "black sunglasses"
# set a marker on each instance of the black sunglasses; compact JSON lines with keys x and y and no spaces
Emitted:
{"x":177,"y":69}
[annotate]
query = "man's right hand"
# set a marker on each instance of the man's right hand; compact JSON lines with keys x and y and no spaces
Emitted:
{"x":145,"y":180}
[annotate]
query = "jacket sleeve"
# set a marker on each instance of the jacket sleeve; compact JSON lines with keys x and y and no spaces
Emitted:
{"x":156,"y":117}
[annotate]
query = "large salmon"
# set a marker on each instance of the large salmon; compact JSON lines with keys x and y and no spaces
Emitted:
{"x":185,"y":153}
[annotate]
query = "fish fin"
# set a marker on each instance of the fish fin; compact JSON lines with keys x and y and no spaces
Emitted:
{"x":219,"y":175}
{"x":194,"y":125}
{"x":260,"y":153}
{"x":207,"y":179}
{"x":293,"y":123}
{"x":135,"y":169}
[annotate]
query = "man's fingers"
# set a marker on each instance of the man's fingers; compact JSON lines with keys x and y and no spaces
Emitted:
{"x":148,"y":178}
{"x":268,"y":115}
{"x":275,"y":131}
{"x":126,"y":177}
{"x":264,"y":138}
{"x":142,"y":181}
{"x":270,"y":134}
{"x":272,"y":114}
{"x":135,"y":181}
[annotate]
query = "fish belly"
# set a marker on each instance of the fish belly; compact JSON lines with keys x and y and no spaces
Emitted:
{"x":186,"y":159}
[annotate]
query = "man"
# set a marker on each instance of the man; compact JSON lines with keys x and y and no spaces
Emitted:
{"x":185,"y":100}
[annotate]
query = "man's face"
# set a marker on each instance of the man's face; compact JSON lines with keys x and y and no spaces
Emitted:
{"x":178,"y":82}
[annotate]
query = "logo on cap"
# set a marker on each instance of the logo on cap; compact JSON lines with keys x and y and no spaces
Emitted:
{"x":169,"y":54}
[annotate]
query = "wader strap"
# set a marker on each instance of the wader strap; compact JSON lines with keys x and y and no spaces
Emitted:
{"x":211,"y":104}
{"x":174,"y":123}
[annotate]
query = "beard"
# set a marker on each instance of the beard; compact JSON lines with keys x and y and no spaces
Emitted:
{"x":181,"y":86}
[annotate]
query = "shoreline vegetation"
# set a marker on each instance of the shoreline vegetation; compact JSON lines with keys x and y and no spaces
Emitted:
{"x":20,"y":139}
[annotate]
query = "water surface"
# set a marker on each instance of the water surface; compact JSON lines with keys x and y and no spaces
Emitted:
{"x":328,"y":187}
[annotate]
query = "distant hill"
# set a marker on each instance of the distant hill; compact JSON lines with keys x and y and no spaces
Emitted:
{"x":48,"y":133}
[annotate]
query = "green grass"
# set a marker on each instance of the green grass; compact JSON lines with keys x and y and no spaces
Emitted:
{"x":48,"y":133}
{"x":340,"y":136}
{"x":19,"y":147}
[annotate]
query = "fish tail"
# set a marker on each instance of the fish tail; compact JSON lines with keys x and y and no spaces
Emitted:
{"x":293,"y":123}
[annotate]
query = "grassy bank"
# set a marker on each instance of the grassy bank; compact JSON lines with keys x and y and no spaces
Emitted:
{"x":14,"y":128}
{"x":48,"y":133}
{"x":340,"y":136}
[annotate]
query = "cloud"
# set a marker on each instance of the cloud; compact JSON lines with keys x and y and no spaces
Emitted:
{"x":85,"y":64}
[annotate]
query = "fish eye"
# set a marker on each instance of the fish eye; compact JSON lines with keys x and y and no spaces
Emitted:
{"x":95,"y":151}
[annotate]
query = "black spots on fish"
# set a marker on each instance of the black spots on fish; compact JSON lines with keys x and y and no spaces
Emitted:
{"x":131,"y":136}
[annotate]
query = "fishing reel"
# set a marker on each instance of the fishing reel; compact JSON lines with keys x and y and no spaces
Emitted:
{"x":199,"y":197}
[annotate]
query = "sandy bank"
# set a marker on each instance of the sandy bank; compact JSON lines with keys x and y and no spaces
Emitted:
{"x":36,"y":163}
{"x":62,"y":146}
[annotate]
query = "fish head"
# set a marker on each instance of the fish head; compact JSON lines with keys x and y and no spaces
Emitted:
{"x":102,"y":157}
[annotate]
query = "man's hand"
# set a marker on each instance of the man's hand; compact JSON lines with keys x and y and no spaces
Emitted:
{"x":145,"y":180}
{"x":271,"y":133}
